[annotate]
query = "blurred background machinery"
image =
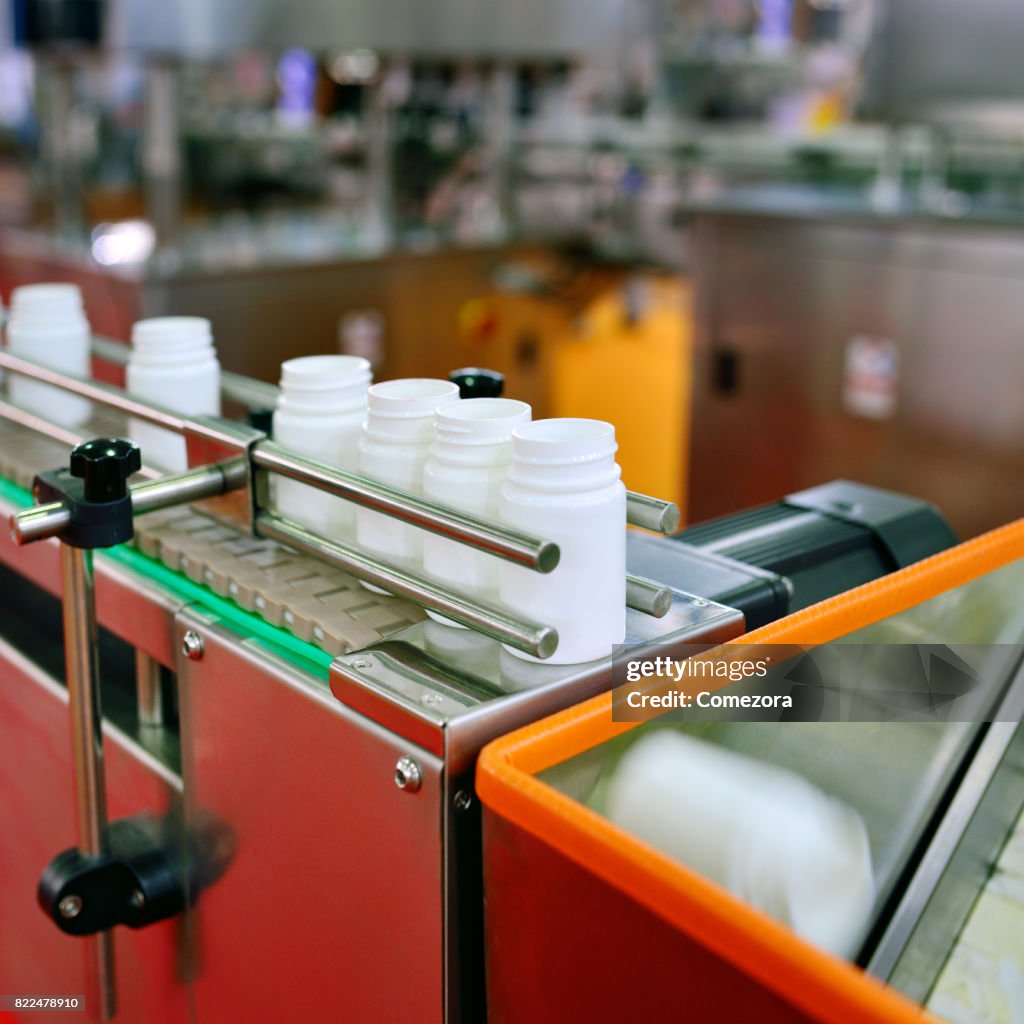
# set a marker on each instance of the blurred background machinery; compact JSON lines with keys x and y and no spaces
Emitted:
{"x":499,"y":177}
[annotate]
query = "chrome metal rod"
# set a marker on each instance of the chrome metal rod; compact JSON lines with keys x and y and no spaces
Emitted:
{"x":531,"y":637}
{"x":253,"y":394}
{"x":192,"y":485}
{"x":652,"y":513}
{"x":82,"y":669}
{"x":148,"y":692}
{"x":511,"y":545}
{"x":53,"y":431}
{"x":39,"y":522}
{"x":101,"y":394}
{"x":208,"y":428}
{"x":247,"y":391}
{"x":646,"y":596}
{"x":53,"y":518}
{"x":117,"y":353}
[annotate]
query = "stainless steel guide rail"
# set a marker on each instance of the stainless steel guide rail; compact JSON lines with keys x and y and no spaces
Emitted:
{"x":531,"y":637}
{"x":253,"y":394}
{"x":641,"y":509}
{"x":255,"y":453}
{"x":511,"y":545}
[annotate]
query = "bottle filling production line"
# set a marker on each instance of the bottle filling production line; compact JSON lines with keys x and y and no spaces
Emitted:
{"x":273,"y":768}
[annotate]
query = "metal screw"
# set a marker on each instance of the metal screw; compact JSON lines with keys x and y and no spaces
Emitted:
{"x":192,"y":645}
{"x":137,"y":899}
{"x":408,"y":776}
{"x":362,"y":663}
{"x":463,"y":800}
{"x":70,"y":906}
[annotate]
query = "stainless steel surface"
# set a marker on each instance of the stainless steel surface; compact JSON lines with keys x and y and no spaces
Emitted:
{"x":192,"y":645}
{"x":408,"y":776}
{"x":82,"y":669}
{"x":646,"y":596}
{"x":652,"y":513}
{"x":942,"y":890}
{"x":446,"y":689}
{"x":333,"y":862}
{"x":929,"y":52}
{"x":493,"y":621}
{"x":779,"y":300}
{"x":148,"y":691}
{"x":36,"y":791}
{"x":447,"y":28}
{"x":481,"y":534}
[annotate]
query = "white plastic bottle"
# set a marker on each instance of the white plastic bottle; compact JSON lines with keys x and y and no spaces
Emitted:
{"x":48,"y":325}
{"x":563,"y":485}
{"x":320,"y":414}
{"x":393,"y":448}
{"x":764,"y":833}
{"x":467,"y":465}
{"x":173,"y":363}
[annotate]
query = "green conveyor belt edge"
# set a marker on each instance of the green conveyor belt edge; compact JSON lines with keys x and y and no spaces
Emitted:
{"x":304,"y":655}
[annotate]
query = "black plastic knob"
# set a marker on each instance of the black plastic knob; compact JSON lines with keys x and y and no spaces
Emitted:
{"x":476,"y":382}
{"x":104,"y":465}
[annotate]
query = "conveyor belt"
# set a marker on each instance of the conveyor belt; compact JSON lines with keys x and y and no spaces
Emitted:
{"x":315,"y":602}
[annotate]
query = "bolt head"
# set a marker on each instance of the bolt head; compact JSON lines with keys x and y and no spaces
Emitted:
{"x":70,"y":906}
{"x":192,"y":645}
{"x":463,"y":800}
{"x":137,"y":899}
{"x":408,"y":776}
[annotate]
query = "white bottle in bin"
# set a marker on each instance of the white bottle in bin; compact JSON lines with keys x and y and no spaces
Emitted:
{"x":564,"y":486}
{"x":320,"y":414}
{"x":393,"y":449}
{"x":172,"y":363}
{"x":47,"y":325}
{"x":467,"y":465}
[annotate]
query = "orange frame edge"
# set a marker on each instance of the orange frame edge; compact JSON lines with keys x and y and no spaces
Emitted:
{"x":804,"y":975}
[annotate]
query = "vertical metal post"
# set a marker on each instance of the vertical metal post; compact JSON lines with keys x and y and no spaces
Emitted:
{"x":55,"y":87}
{"x":82,"y":670}
{"x":161,"y":152}
{"x":500,"y":129}
{"x":379,"y":163}
{"x":148,"y":691}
